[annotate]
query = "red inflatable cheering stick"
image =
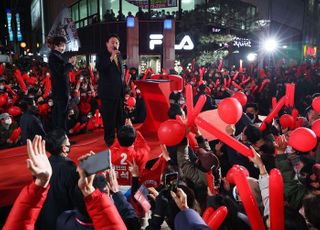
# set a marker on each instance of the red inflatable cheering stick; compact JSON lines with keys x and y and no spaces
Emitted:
{"x":276,"y":196}
{"x":225,"y":138}
{"x":237,"y":175}
{"x":15,"y":135}
{"x":193,"y":112}
{"x":214,"y":219}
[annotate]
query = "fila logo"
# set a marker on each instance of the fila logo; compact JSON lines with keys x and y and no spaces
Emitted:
{"x":185,"y":44}
{"x":155,"y":39}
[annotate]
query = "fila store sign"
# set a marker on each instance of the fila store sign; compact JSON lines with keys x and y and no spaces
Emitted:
{"x":185,"y":44}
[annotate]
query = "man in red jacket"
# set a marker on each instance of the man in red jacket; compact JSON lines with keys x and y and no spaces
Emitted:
{"x":130,"y":145}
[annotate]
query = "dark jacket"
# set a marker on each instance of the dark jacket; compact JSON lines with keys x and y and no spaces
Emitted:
{"x":189,"y":220}
{"x":126,"y":211}
{"x":59,"y":69}
{"x":111,"y":82}
{"x":294,"y":191}
{"x":63,"y":194}
{"x":30,"y":126}
{"x":5,"y":134}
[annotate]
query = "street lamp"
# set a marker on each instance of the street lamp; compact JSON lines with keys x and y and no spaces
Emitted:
{"x":251,"y":57}
{"x":270,"y":45}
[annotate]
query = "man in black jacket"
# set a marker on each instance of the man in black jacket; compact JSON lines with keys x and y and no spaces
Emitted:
{"x":111,"y":88}
{"x":64,"y":192}
{"x":30,"y":122}
{"x":59,"y":69}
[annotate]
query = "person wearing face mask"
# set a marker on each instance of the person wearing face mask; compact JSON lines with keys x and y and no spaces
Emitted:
{"x":64,"y":192}
{"x":7,"y":126}
{"x":59,"y":69}
{"x":252,"y":112}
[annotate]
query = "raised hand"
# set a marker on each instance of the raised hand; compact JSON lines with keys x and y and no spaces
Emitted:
{"x":164,"y":152}
{"x":38,"y":162}
{"x":85,"y":183}
{"x":281,"y":144}
{"x":133,"y":168}
{"x":180,"y":198}
{"x":112,"y":181}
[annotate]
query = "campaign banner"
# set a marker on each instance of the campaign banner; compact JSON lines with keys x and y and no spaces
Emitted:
{"x":65,"y":27}
{"x":155,"y":4}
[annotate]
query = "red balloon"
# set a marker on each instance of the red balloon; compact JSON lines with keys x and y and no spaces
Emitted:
{"x":276,"y":192}
{"x":218,"y":217}
{"x":131,"y":102}
{"x":241,"y":97}
{"x":247,"y":198}
{"x":3,"y":100}
{"x":303,"y":139}
{"x":171,"y":132}
{"x":316,"y":104}
{"x":286,"y":121}
{"x":316,"y":127}
{"x":14,"y":111}
{"x":230,"y":110}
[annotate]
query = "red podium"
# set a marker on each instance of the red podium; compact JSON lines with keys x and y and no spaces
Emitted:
{"x":155,"y":94}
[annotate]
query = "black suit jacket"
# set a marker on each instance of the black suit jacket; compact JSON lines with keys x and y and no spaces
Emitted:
{"x":63,"y":194}
{"x":111,"y":83}
{"x":59,"y":69}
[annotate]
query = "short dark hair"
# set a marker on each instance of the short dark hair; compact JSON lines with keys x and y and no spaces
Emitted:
{"x":126,"y":135}
{"x":56,"y":41}
{"x":293,"y":219}
{"x":174,"y":110}
{"x":253,"y":133}
{"x":253,"y":105}
{"x":54,"y":141}
{"x":310,"y":203}
{"x":113,"y":36}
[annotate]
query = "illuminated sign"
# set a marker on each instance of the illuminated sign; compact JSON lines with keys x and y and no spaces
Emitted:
{"x":130,"y":22}
{"x":19,"y":35}
{"x":9,"y":18}
{"x":241,"y":42}
{"x":185,"y":44}
{"x":309,"y":51}
{"x":167,"y":24}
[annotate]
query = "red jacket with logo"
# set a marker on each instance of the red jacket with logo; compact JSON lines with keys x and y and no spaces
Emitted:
{"x":139,"y":151}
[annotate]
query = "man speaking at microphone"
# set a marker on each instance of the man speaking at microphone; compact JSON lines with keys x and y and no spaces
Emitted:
{"x":111,"y":86}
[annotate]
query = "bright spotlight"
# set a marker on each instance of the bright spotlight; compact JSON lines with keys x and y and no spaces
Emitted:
{"x":270,"y":45}
{"x":251,"y":57}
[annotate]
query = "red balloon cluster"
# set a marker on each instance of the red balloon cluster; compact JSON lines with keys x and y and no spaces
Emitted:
{"x":316,"y":104}
{"x":303,"y":139}
{"x":230,"y":110}
{"x":171,"y":132}
{"x":241,"y":97}
{"x":286,"y":121}
{"x":316,"y":127}
{"x":131,"y":102}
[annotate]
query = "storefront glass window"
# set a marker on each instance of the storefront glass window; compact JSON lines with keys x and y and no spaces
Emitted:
{"x":92,"y":6}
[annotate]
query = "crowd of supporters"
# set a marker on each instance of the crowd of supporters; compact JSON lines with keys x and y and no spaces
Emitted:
{"x":62,"y":196}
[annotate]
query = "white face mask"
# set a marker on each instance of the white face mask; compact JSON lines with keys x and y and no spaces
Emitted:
{"x":50,"y":103}
{"x":8,"y":121}
{"x":1,"y":87}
